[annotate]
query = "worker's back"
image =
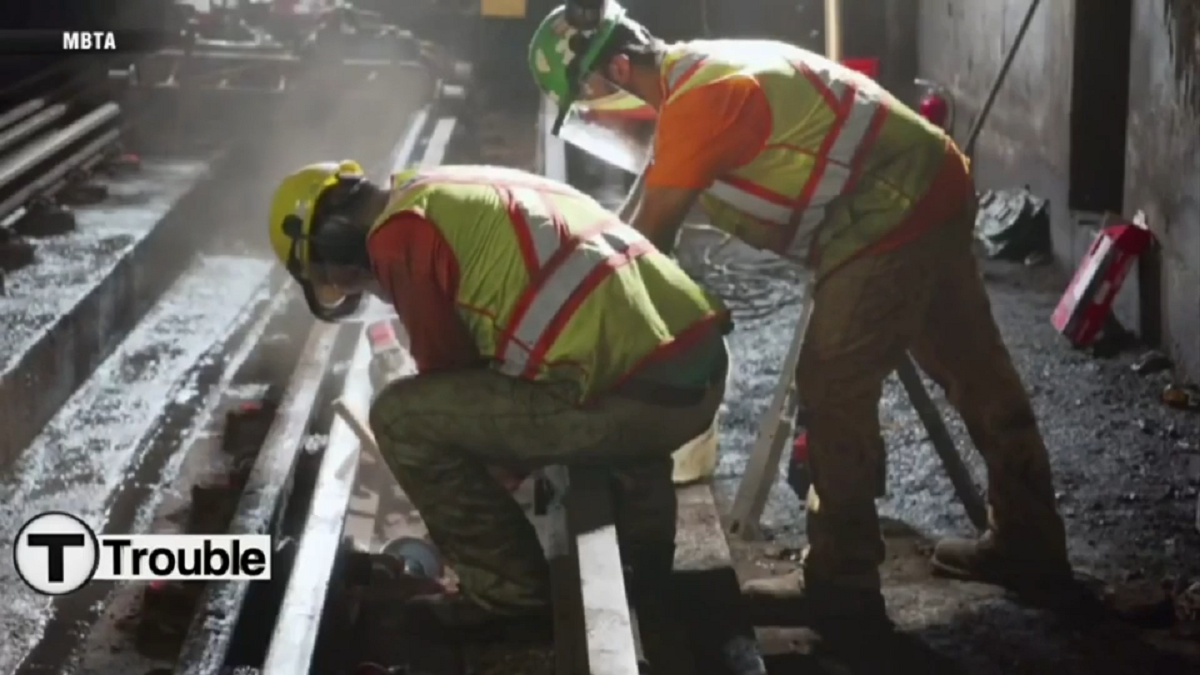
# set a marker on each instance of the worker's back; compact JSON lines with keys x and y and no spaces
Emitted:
{"x":842,"y":152}
{"x":552,"y":286}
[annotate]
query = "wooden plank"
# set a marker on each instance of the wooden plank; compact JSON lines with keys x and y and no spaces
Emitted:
{"x":607,"y":621}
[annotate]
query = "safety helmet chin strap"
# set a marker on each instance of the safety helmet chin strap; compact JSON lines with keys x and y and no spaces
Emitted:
{"x":293,"y":228}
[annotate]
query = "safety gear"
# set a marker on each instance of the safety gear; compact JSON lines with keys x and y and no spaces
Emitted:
{"x":986,"y":559}
{"x":791,"y":599}
{"x":564,"y":61}
{"x":552,"y":286}
{"x":843,"y":164}
{"x":300,"y":208}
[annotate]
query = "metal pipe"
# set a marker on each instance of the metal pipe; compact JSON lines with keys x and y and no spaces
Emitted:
{"x":833,"y":30}
{"x":14,"y":135}
{"x":977,"y":127}
{"x":51,"y":144}
{"x":21,"y":111}
{"x":47,"y":182}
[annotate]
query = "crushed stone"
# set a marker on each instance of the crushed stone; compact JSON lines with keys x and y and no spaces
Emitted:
{"x":68,"y":266}
{"x":90,"y":447}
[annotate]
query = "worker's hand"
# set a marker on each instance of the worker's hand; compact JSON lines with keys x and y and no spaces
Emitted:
{"x":511,"y":480}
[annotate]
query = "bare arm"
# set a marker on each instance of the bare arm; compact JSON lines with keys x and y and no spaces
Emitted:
{"x":660,"y":213}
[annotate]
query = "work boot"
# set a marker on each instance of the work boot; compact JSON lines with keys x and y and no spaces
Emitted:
{"x":832,"y":610}
{"x":984,"y":559}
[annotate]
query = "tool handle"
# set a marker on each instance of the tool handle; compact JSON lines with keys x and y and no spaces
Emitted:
{"x":356,"y":425}
{"x":943,"y":443}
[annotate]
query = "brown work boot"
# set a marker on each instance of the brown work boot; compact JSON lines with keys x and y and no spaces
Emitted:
{"x":985,"y":559}
{"x":833,"y":611}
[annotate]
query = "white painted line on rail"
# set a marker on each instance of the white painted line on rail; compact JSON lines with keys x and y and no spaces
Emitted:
{"x":435,"y":151}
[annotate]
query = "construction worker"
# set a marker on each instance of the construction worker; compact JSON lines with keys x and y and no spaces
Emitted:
{"x":545,"y":331}
{"x":801,"y":156}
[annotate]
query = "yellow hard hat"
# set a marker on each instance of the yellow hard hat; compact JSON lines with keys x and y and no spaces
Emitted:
{"x":293,"y":212}
{"x":293,"y":206}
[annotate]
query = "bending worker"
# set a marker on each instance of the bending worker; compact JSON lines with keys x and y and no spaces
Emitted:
{"x":795,"y":154}
{"x":545,"y":331}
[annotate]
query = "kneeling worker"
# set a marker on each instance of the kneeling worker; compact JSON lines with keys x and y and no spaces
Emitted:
{"x":545,"y":331}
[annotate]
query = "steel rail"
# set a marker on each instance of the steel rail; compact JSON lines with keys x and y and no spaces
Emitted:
{"x":14,"y":135}
{"x":46,"y":147}
{"x":21,"y":112}
{"x":297,"y":626}
{"x":207,"y":644}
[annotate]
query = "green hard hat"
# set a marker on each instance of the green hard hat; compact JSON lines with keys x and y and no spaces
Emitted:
{"x":557,"y":68}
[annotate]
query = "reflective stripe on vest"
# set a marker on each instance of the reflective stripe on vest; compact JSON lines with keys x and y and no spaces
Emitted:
{"x":838,"y":162}
{"x":572,"y":271}
{"x":552,"y":287}
{"x":539,"y":226}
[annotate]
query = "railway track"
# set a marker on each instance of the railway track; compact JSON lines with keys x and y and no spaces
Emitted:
{"x":211,"y":413}
{"x":141,"y":320}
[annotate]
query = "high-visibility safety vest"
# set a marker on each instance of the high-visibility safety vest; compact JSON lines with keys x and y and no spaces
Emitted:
{"x":844,"y":162}
{"x":551,"y":285}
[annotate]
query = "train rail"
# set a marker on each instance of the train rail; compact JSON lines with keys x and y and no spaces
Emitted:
{"x":234,"y":434}
{"x":141,"y":316}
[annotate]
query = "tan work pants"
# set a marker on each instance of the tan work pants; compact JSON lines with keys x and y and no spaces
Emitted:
{"x":926,"y":298}
{"x":438,"y":433}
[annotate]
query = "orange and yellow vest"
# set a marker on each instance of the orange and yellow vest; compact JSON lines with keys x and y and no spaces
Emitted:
{"x":552,"y":286}
{"x":844,"y":162}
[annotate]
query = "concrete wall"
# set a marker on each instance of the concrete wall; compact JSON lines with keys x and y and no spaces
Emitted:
{"x":1163,"y":170}
{"x":1027,"y":137}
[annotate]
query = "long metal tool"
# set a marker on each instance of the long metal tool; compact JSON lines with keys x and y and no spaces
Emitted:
{"x":774,"y":431}
{"x":977,"y":127}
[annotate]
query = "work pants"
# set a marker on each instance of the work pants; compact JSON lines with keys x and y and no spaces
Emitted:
{"x":926,"y":298}
{"x":439,"y":432}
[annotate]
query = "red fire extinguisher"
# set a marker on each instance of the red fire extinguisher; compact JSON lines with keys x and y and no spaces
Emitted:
{"x":935,"y":104}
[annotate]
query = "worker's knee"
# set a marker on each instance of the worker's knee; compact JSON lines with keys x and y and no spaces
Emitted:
{"x":395,"y":407}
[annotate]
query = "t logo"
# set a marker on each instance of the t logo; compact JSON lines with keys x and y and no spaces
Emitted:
{"x":56,"y":553}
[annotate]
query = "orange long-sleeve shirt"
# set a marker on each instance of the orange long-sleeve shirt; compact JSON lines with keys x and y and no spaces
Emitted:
{"x":710,"y":130}
{"x":419,"y":272}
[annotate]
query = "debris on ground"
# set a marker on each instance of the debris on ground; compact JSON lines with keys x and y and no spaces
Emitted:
{"x":15,"y":252}
{"x":1113,"y":339}
{"x":1181,"y":397}
{"x":1144,"y":603}
{"x":1085,"y":308}
{"x":1151,"y":362}
{"x":1013,"y":224}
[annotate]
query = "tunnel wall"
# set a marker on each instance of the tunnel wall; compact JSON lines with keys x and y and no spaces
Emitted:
{"x":1027,"y":138}
{"x":1163,"y":165}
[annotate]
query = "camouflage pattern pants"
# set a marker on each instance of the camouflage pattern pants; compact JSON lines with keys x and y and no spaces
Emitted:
{"x":440,"y":432}
{"x":926,"y":298}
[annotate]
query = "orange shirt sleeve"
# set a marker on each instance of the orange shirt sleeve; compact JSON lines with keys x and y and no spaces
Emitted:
{"x":705,"y":132}
{"x":419,"y":272}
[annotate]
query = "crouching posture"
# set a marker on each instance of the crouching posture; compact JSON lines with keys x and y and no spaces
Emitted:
{"x":545,"y":332}
{"x":800,"y":156}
